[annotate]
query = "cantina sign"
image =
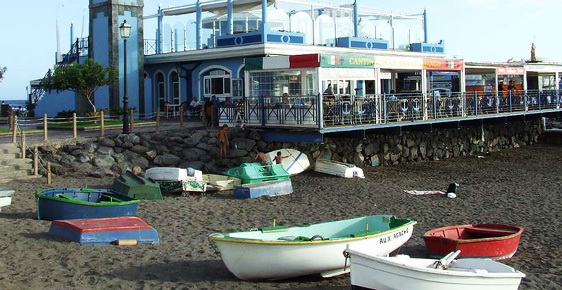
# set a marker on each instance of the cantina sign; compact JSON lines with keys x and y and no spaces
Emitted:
{"x":443,"y":64}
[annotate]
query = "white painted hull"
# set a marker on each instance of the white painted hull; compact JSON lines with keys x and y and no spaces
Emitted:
{"x":5,"y":197}
{"x":338,"y":168}
{"x":275,"y":259}
{"x":220,"y":182}
{"x":403,"y":272}
{"x":173,"y":174}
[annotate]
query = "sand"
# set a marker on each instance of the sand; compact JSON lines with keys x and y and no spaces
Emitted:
{"x":517,"y":186}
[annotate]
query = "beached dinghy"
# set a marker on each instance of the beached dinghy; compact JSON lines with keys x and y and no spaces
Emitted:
{"x":220,"y":182}
{"x":5,"y":197}
{"x":174,"y":179}
{"x":338,"y":168}
{"x":81,"y":203}
{"x":405,"y":273}
{"x":494,"y":241}
{"x":280,"y":252}
{"x":255,"y":172}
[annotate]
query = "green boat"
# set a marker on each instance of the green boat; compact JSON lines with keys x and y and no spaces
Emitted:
{"x":255,"y":172}
{"x":137,"y":187}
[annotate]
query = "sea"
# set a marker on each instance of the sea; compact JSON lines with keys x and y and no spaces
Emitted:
{"x":15,"y":103}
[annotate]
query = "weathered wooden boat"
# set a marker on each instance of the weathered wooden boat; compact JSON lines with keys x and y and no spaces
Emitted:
{"x":280,"y":252}
{"x":294,"y":161}
{"x":137,"y":187}
{"x":81,"y":203}
{"x":338,"y":168}
{"x":5,"y":197}
{"x":104,"y":230}
{"x":174,"y":179}
{"x":403,"y":273}
{"x":494,"y":241}
{"x":220,"y":182}
{"x":255,"y":172}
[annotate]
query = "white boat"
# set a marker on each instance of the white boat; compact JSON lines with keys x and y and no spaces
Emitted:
{"x":338,"y":168}
{"x":294,"y":161}
{"x":5,"y":197}
{"x":220,"y":182}
{"x":402,"y":272}
{"x":280,"y":252}
{"x":174,"y":179}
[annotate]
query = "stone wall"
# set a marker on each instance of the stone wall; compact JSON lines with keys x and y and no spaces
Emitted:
{"x":112,"y":155}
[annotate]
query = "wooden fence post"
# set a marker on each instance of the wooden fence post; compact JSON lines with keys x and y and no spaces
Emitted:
{"x":35,"y":161}
{"x":14,"y":129}
{"x":157,"y":120}
{"x":131,"y":120}
{"x":49,"y":177}
{"x":181,"y":118}
{"x":74,"y":129}
{"x":45,"y":127}
{"x":102,"y":129}
{"x":23,"y":145}
{"x":10,"y":121}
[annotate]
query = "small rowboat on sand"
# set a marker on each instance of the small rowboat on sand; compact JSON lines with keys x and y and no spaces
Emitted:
{"x":403,"y":273}
{"x":494,"y":241}
{"x":281,"y":252}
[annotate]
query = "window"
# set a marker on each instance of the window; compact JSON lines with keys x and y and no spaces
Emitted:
{"x":217,"y":82}
{"x":175,"y":89}
{"x":238,"y":88}
{"x":160,"y":92}
{"x":275,"y":83}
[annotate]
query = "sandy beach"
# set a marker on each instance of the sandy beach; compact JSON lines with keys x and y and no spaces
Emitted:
{"x":518,"y":186}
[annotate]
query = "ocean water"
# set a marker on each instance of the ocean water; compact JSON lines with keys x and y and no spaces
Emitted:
{"x":15,"y":103}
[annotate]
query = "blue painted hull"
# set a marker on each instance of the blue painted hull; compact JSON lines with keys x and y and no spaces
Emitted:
{"x":73,"y":203}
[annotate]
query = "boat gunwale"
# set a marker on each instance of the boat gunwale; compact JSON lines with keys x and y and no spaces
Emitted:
{"x":466,"y":241}
{"x":214,"y":238}
{"x":396,"y":263}
{"x":39,"y":195}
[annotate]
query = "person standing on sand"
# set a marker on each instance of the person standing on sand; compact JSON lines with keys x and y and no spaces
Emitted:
{"x":223,"y":140}
{"x":263,"y":159}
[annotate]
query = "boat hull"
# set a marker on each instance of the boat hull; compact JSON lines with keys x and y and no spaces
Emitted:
{"x":403,"y":272}
{"x":494,"y":241}
{"x":5,"y":197}
{"x":220,"y":182}
{"x":255,"y":172}
{"x":294,"y":162}
{"x":337,"y":168}
{"x":76,"y":203}
{"x":272,"y":259}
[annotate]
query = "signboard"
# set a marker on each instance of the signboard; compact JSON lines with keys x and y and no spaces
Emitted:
{"x":510,"y":70}
{"x":349,"y":61}
{"x":443,"y":64}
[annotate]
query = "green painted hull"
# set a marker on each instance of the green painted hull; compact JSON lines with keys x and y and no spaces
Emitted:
{"x":255,"y":172}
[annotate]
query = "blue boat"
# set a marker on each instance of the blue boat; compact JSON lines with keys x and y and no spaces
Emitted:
{"x":81,"y":203}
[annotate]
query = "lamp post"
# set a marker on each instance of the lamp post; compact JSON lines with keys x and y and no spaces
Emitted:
{"x":125,"y":30}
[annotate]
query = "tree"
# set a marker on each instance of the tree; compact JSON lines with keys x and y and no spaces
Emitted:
{"x":2,"y":71}
{"x":84,"y":78}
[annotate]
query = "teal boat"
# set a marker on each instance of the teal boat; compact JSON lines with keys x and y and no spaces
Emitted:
{"x":255,"y":172}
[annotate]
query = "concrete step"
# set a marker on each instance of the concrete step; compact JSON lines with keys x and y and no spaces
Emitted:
{"x":8,"y":145}
{"x":8,"y":167}
{"x":4,"y":180}
{"x":9,"y":150}
{"x":9,"y":156}
{"x":16,"y":161}
{"x":15,"y":174}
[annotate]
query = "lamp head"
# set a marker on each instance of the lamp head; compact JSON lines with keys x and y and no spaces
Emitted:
{"x":125,"y":29}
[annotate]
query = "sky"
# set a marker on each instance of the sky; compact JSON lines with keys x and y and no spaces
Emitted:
{"x":473,"y":30}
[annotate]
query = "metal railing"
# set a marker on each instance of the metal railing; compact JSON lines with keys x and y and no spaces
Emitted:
{"x":350,"y":110}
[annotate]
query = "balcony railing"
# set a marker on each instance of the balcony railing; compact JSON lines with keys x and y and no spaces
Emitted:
{"x":349,"y":110}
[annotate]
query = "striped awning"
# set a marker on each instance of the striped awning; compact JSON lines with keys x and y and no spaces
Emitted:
{"x":284,"y":61}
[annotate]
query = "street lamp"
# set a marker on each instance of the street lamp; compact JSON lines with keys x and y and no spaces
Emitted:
{"x":125,"y":30}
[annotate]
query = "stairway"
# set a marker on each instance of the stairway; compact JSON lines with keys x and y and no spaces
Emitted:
{"x":12,"y":166}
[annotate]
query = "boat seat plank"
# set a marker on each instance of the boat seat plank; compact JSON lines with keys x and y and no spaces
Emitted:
{"x":488,"y":231}
{"x":64,"y":195}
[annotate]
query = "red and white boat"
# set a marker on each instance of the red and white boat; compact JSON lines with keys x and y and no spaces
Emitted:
{"x":494,"y":241}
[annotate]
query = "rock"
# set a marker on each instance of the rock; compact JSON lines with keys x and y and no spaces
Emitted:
{"x":90,"y":147}
{"x":139,"y":149}
{"x":175,"y":139}
{"x":107,"y":142}
{"x":151,"y":154}
{"x":132,"y":138}
{"x":137,"y":170}
{"x":127,"y":145}
{"x":166,"y":160}
{"x":103,"y":161}
{"x":140,"y":162}
{"x":83,"y":158}
{"x":105,"y":150}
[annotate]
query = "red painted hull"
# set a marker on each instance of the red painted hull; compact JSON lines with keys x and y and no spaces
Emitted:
{"x":495,"y":241}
